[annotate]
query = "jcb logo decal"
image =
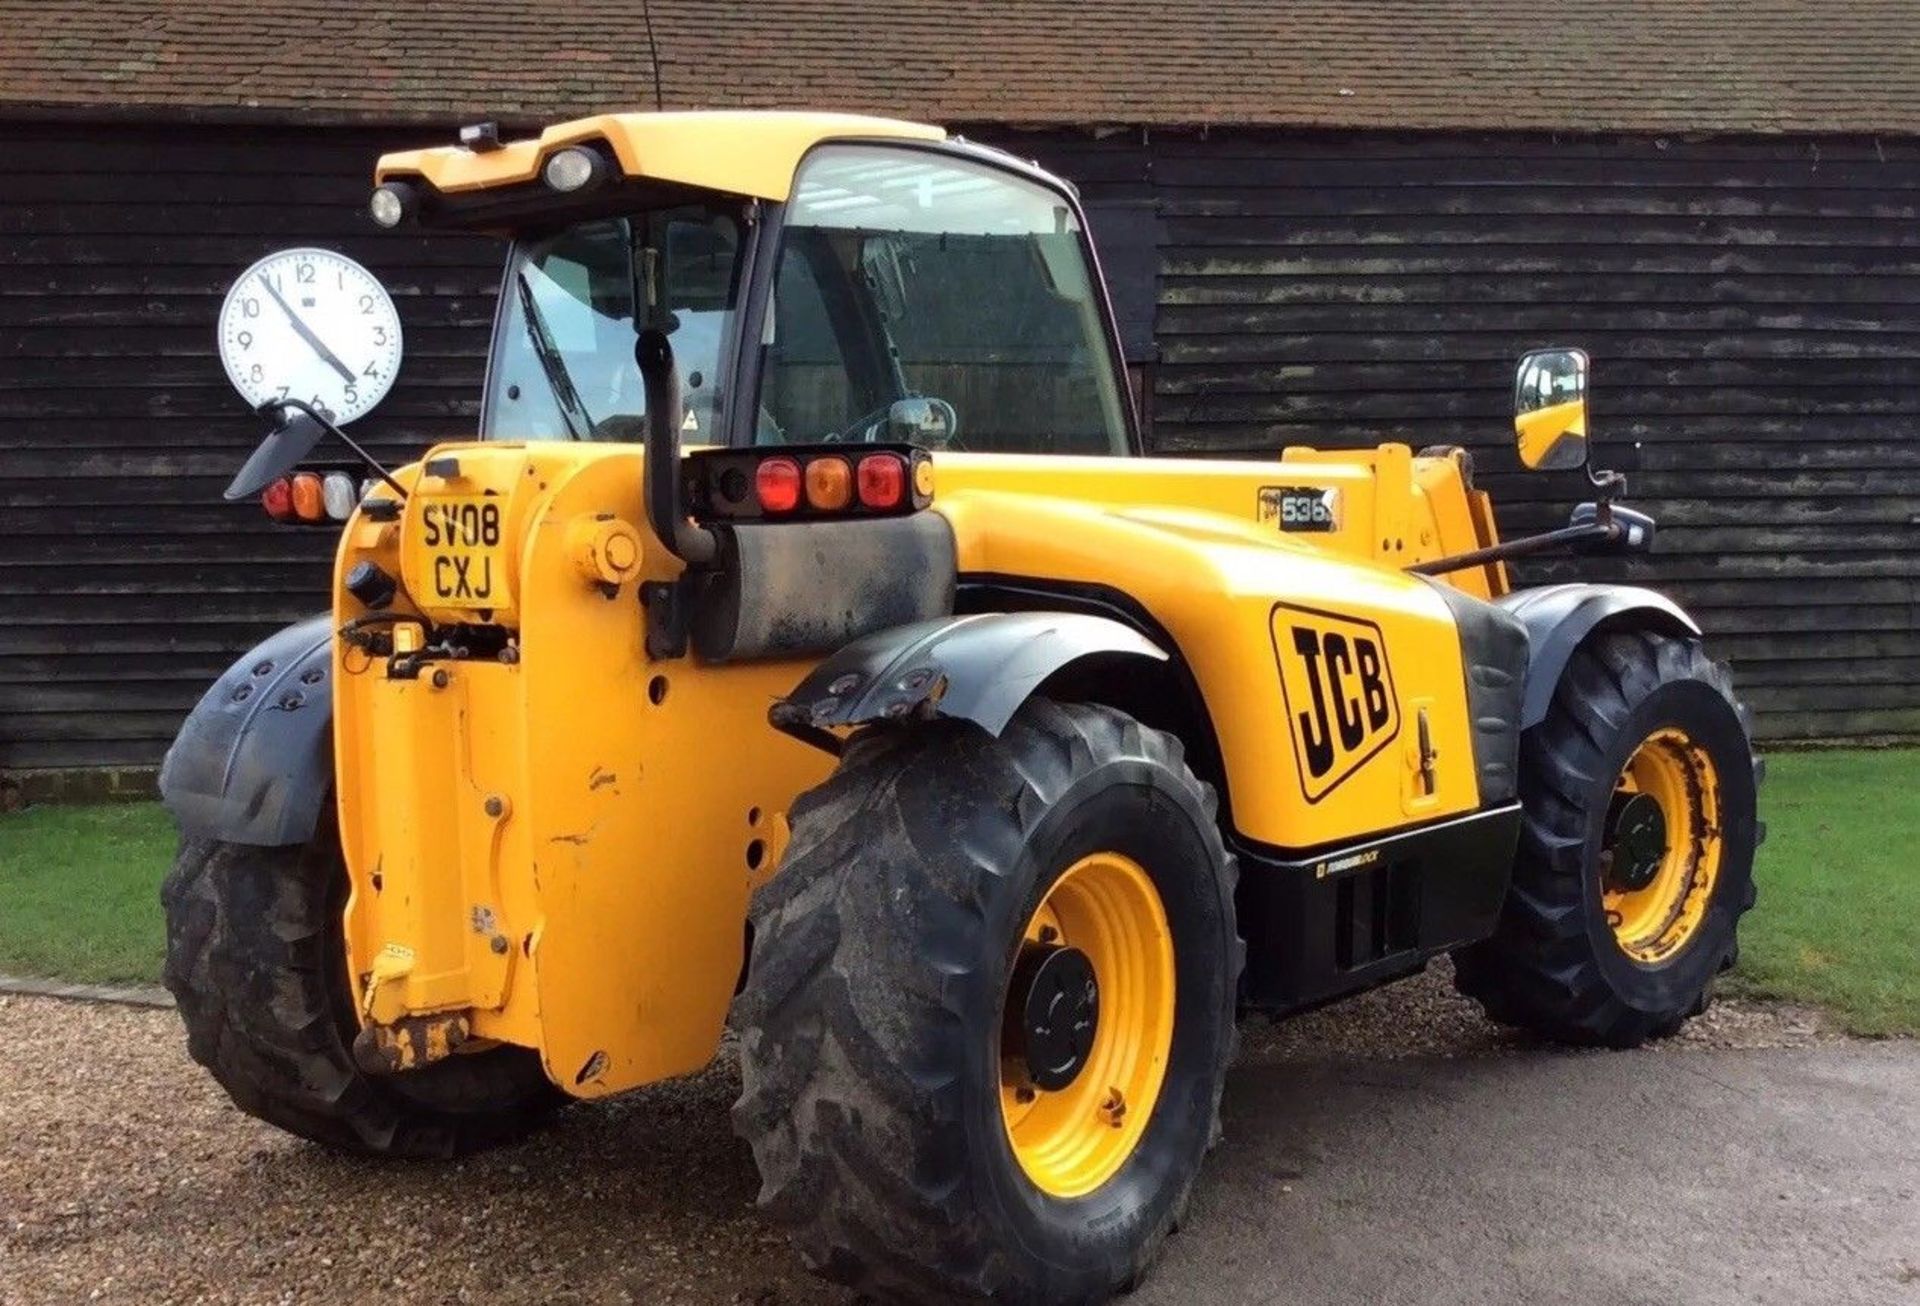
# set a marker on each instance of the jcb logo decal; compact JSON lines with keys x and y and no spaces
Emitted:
{"x":1338,"y":688}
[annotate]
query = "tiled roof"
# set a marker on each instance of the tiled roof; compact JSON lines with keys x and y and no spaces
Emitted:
{"x":1625,"y":65}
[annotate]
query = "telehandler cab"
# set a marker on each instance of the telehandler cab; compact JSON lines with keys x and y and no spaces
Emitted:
{"x":978,"y":770}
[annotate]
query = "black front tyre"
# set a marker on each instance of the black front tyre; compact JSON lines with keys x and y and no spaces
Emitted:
{"x":256,"y":959}
{"x":990,"y":1008}
{"x":1636,"y":856}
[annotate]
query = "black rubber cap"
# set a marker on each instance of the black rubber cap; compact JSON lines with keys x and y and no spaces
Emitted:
{"x":367,"y":582}
{"x":1059,"y":1014}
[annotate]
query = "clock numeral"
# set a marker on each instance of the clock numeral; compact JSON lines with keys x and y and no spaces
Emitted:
{"x":379,"y":335}
{"x":352,"y":396}
{"x":246,"y":339}
{"x":250,"y":306}
{"x":257,"y":373}
{"x":373,"y":371}
{"x":303,"y":273}
{"x":366,"y":305}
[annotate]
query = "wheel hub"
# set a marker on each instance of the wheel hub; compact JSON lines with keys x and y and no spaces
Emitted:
{"x":1637,"y":836}
{"x":1057,"y":998}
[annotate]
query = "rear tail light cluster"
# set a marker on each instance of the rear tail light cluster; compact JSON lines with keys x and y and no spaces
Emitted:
{"x":800,"y":484}
{"x":311,"y":497}
{"x":832,"y":483}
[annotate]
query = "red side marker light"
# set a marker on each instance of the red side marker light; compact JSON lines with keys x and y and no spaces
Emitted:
{"x":776,"y":483}
{"x":277,"y":499}
{"x":882,"y":479}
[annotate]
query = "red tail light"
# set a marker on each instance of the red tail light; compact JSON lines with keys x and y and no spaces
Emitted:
{"x":882,"y":479}
{"x":277,"y":499}
{"x":776,"y":483}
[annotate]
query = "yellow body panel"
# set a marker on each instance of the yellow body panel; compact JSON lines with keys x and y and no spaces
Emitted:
{"x":1185,"y":540}
{"x":737,"y":151}
{"x":541,"y":840}
{"x":558,"y":840}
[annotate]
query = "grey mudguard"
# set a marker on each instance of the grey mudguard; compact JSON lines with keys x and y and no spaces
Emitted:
{"x":254,"y":761}
{"x":1559,"y":617}
{"x":978,"y":668}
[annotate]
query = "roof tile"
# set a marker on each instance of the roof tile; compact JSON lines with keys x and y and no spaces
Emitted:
{"x":1631,"y":65}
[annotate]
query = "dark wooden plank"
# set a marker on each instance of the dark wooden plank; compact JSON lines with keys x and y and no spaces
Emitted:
{"x":82,"y":752}
{"x":1555,"y":230}
{"x":1872,"y":723}
{"x":1180,"y":170}
{"x":1514,"y":258}
{"x":1467,"y":314}
{"x":1506,"y":287}
{"x":109,"y":698}
{"x":150,"y":639}
{"x":1585,"y":199}
{"x":1502,"y":344}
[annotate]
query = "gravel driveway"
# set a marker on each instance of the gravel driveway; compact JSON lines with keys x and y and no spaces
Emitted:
{"x":125,"y":1175}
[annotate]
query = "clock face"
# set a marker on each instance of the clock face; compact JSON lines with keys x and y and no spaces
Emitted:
{"x":314,"y":325}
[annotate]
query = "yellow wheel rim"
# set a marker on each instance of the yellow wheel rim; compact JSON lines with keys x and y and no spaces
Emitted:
{"x":1072,"y":1139}
{"x":1657,"y":874}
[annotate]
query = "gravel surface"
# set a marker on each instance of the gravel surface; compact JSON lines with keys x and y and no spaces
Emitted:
{"x":126,"y":1176}
{"x":1424,"y":1017}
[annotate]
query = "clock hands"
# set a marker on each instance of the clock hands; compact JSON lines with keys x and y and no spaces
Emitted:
{"x":305,"y":332}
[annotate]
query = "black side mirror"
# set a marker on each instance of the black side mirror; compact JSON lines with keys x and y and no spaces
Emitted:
{"x":291,"y":440}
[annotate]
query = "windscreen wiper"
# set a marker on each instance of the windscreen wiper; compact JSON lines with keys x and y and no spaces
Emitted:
{"x":558,"y":379}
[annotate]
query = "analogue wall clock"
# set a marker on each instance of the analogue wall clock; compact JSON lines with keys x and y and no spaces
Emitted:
{"x":313,"y":325}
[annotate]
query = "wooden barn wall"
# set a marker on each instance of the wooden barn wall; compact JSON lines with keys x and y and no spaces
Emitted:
{"x":126,"y":584}
{"x":1753,"y":309}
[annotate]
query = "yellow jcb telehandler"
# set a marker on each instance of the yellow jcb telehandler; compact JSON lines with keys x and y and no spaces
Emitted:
{"x":805,"y":644}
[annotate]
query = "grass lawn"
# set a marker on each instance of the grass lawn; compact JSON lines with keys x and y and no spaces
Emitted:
{"x":1838,"y":921}
{"x":80,"y":891}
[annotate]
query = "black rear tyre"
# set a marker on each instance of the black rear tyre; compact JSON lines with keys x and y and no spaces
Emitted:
{"x":1636,"y":856}
{"x":256,"y":959}
{"x":874,"y":1028}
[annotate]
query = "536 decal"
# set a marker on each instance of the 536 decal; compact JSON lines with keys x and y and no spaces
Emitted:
{"x":1338,"y":687}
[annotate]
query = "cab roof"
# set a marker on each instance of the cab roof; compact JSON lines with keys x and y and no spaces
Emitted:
{"x":740,"y":152}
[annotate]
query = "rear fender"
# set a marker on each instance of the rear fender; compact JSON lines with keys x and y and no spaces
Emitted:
{"x":254,"y":760}
{"x":977,"y":668}
{"x":1559,"y":617}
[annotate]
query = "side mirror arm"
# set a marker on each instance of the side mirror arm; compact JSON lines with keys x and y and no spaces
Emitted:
{"x":1607,"y":486}
{"x":1588,"y":533}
